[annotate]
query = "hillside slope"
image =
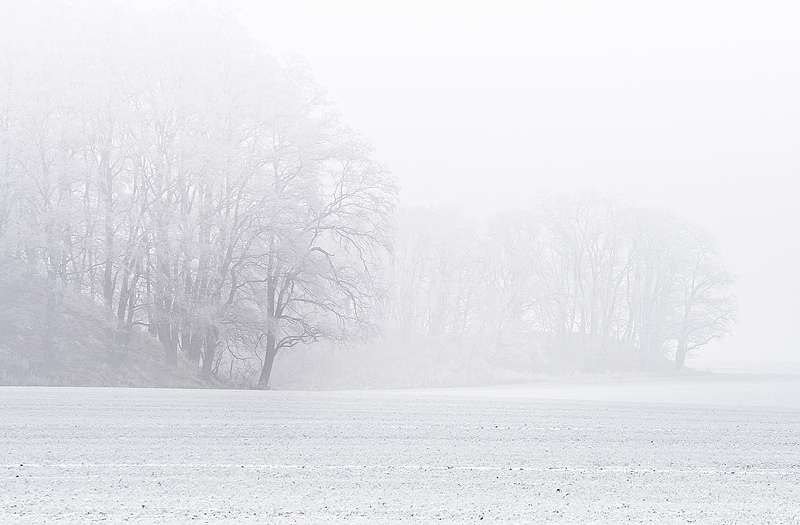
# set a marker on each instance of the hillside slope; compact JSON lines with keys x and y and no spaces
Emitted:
{"x":58,"y":337}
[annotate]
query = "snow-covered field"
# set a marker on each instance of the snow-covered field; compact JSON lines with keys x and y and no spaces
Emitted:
{"x":706,"y":449}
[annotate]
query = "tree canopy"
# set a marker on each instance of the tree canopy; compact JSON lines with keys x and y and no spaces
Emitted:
{"x":169,"y":168}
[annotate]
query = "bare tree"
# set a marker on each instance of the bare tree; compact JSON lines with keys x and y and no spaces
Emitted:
{"x":589,"y":281}
{"x":172,"y":176}
{"x":705,"y":308}
{"x":325,"y":227}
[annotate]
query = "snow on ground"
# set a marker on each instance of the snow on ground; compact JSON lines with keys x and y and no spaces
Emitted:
{"x":579,"y":452}
{"x":720,"y":366}
{"x":740,"y":389}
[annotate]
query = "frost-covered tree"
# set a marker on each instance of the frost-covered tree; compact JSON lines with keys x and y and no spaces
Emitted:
{"x":579,"y":281}
{"x":705,"y":308}
{"x":190,"y":183}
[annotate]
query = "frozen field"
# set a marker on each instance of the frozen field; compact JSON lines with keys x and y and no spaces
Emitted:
{"x":708,"y":449}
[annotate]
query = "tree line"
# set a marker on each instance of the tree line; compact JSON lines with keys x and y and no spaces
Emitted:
{"x":584,"y":281}
{"x":186,"y":180}
{"x":202,"y":190}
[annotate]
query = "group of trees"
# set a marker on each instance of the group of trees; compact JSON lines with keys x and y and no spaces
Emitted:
{"x":188,"y":182}
{"x":585,"y":280}
{"x":197,"y":188}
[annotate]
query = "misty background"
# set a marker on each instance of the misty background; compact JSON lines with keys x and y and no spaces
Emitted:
{"x":458,"y":192}
{"x":689,"y":106}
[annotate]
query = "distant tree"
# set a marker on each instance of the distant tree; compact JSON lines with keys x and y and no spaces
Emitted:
{"x":584,"y":271}
{"x":654,"y":257}
{"x":705,"y":307}
{"x":514,"y":277}
{"x":602,"y":282}
{"x":439,"y":265}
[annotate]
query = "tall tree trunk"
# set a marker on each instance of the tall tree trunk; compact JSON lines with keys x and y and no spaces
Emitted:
{"x":123,"y":298}
{"x":210,"y":353}
{"x":680,"y":353}
{"x":50,"y":321}
{"x":193,"y":343}
{"x":170,"y":346}
{"x":121,"y":331}
{"x":269,"y":359}
{"x":108,"y":203}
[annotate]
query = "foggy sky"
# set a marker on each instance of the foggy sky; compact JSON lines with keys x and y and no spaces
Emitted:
{"x":692,"y":106}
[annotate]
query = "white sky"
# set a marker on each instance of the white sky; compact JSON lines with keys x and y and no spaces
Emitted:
{"x":693,"y":106}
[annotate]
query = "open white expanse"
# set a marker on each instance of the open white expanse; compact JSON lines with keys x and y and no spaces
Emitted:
{"x":706,"y":449}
